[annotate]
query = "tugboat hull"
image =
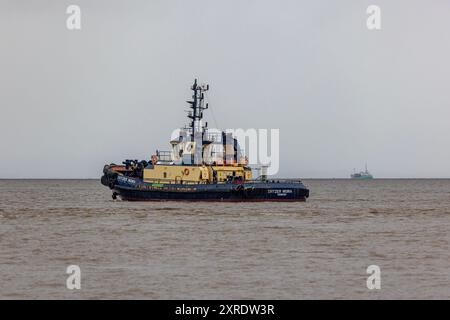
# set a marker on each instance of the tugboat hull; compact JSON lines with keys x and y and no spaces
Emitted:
{"x":134,"y":189}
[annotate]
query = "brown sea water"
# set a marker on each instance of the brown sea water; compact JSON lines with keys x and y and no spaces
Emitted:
{"x":178,"y":250}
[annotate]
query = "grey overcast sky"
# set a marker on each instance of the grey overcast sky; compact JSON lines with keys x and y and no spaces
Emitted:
{"x":340,"y":94}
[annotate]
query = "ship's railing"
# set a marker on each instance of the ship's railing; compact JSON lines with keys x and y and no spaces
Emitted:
{"x":213,"y":136}
{"x":197,"y":182}
{"x":276,"y":181}
{"x":164,"y":156}
{"x":171,"y":181}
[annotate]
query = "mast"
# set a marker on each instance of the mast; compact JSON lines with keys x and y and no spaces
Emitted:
{"x":197,"y":106}
{"x":196,"y":115}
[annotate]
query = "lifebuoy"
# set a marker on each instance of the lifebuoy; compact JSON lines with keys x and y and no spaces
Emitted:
{"x":186,"y":171}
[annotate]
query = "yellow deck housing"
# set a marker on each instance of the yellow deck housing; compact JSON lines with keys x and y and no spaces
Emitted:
{"x":195,"y":174}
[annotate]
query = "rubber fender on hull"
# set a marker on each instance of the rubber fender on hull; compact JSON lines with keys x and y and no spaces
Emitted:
{"x":109,"y":179}
{"x":104,"y":180}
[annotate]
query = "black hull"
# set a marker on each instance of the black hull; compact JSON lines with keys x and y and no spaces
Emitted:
{"x":134,"y":189}
{"x":140,"y":195}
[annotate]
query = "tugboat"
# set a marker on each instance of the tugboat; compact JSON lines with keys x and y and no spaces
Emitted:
{"x":363,"y":175}
{"x":202,"y":165}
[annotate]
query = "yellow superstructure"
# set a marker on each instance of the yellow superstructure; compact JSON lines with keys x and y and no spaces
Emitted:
{"x":159,"y":173}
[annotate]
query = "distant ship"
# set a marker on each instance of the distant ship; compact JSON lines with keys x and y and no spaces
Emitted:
{"x":202,"y":166}
{"x":363,"y":175}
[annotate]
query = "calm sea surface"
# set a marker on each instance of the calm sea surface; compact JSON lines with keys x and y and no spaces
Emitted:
{"x":171,"y":250}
